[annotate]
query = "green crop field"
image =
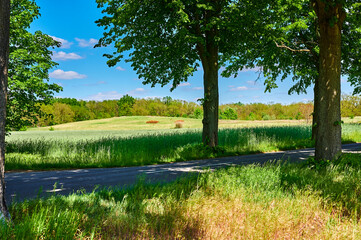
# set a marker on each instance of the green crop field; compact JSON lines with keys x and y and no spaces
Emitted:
{"x":44,"y":149}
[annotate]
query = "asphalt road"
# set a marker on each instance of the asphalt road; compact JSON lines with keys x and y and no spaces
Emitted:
{"x":22,"y":185}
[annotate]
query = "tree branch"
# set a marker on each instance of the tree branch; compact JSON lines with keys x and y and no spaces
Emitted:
{"x":291,"y":49}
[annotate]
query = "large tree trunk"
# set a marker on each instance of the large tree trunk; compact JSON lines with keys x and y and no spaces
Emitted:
{"x":211,"y":101}
{"x":4,"y":58}
{"x":328,"y":117}
{"x":316,"y":103}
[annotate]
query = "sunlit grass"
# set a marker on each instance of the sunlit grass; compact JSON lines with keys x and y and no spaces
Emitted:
{"x":82,"y":149}
{"x":274,"y":201}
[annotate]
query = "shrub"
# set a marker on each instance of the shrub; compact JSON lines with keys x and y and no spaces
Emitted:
{"x":178,"y":125}
{"x":266,"y":117}
{"x":229,"y":113}
{"x":152,"y":121}
{"x":51,"y":129}
{"x":23,"y":128}
{"x":251,"y":116}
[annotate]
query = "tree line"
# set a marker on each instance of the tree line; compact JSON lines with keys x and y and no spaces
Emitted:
{"x":65,"y":110}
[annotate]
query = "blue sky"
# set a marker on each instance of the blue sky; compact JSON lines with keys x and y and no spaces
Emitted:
{"x":83,"y":73}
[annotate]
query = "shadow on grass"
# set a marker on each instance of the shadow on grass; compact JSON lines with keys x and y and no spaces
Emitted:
{"x":159,"y":211}
{"x":338,"y":183}
{"x":142,"y":211}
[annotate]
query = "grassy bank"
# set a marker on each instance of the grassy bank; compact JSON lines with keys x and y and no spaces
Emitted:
{"x":79,"y":151}
{"x":275,"y":201}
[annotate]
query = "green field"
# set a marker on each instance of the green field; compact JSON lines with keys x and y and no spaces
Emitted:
{"x":37,"y":150}
{"x":312,"y":200}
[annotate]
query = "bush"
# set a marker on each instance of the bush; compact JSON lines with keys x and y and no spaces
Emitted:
{"x":229,"y":113}
{"x":266,"y":117}
{"x":23,"y":128}
{"x":152,"y":121}
{"x":251,"y":116}
{"x":178,"y":125}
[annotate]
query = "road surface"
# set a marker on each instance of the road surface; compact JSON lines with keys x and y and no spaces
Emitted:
{"x":22,"y":185}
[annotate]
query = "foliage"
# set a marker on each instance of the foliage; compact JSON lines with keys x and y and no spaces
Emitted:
{"x":229,"y":113}
{"x":29,"y":64}
{"x":169,"y":38}
{"x":350,"y":105}
{"x":125,"y":105}
{"x":79,"y":110}
{"x":290,"y":46}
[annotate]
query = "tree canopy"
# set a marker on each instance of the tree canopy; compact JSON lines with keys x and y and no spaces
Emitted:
{"x":29,"y":64}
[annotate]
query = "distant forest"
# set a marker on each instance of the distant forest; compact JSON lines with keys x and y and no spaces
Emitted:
{"x":64,"y":110}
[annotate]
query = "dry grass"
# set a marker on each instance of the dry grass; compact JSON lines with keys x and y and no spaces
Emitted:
{"x":139,"y":123}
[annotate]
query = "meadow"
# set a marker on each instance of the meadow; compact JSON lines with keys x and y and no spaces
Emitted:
{"x":66,"y":149}
{"x":273,"y":201}
{"x":277,"y":200}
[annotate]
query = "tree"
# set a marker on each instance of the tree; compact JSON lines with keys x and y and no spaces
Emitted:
{"x":169,"y":38}
{"x":4,"y":58}
{"x":126,"y":104}
{"x":29,"y":64}
{"x":294,"y":43}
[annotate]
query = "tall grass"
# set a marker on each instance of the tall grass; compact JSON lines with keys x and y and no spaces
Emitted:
{"x":45,"y":153}
{"x":273,"y":201}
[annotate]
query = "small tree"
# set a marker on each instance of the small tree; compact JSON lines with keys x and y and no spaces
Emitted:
{"x":29,"y":64}
{"x":125,"y":105}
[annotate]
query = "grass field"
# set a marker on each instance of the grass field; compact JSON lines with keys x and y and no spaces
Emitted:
{"x":139,"y":123}
{"x":274,"y":201}
{"x":37,"y":150}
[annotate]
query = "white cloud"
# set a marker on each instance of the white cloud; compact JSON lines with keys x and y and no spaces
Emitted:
{"x":63,"y":56}
{"x":252,"y":83}
{"x":235,"y":89}
{"x":184,"y":84}
{"x":255,"y":69}
{"x":64,"y":43}
{"x":104,"y":96}
{"x":66,"y":75}
{"x":95,"y":84}
{"x":86,"y":43}
{"x":137,"y":91}
{"x":197,"y":88}
{"x":120,"y":69}
{"x":152,"y":97}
